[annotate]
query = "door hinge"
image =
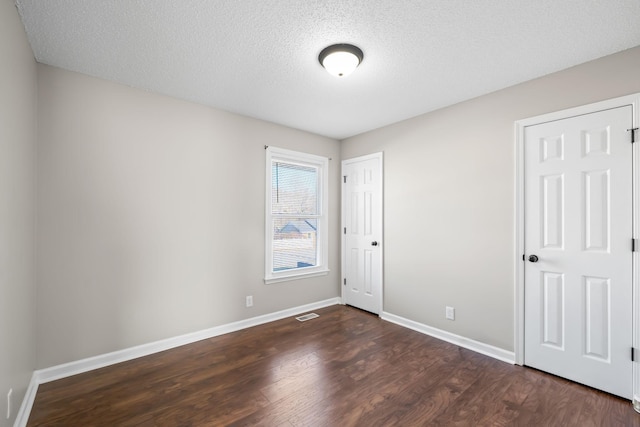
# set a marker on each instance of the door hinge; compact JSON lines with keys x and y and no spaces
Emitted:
{"x":345,"y":281}
{"x":345,"y":230}
{"x":633,"y":354}
{"x":344,"y":178}
{"x":634,"y":245}
{"x":633,"y":134}
{"x":523,"y":257}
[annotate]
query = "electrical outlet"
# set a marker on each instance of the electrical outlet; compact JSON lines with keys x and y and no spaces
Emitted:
{"x":249,"y":301}
{"x":9,"y":403}
{"x":450,"y":313}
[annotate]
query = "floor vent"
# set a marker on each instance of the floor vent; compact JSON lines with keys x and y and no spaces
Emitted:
{"x":306,"y":317}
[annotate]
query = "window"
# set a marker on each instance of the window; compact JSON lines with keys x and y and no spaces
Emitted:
{"x":296,"y":215}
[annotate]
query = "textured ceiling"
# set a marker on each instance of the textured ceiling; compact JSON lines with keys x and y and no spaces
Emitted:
{"x":259,"y":57}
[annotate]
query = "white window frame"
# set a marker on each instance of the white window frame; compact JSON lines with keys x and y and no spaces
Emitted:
{"x":322,"y":236}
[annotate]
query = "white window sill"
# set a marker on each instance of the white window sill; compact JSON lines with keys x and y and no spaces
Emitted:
{"x":296,"y":276}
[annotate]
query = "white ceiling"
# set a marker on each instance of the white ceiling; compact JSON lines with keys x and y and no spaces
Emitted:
{"x":259,"y":58}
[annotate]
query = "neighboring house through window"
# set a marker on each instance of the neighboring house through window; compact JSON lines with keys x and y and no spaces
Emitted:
{"x":296,"y":215}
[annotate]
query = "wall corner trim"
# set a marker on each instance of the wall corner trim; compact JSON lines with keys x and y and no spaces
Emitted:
{"x":53,"y":373}
{"x":477,"y":346}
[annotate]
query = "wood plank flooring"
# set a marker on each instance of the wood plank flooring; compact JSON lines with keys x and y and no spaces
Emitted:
{"x":345,"y":368}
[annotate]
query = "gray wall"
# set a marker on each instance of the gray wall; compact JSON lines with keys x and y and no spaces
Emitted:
{"x":151,"y":217}
{"x":17,"y":221}
{"x":449,"y":197}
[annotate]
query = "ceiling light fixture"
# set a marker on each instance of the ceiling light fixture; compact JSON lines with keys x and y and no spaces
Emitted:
{"x":341,"y":59}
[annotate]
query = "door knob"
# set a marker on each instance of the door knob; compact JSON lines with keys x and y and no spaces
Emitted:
{"x":374,"y":243}
{"x":533,"y":258}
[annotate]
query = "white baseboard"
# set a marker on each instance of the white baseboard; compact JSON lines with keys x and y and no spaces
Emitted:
{"x":53,"y":373}
{"x":96,"y":362}
{"x":27,"y":403}
{"x":477,"y":346}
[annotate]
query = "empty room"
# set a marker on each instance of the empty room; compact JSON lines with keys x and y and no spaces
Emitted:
{"x":319,"y":213}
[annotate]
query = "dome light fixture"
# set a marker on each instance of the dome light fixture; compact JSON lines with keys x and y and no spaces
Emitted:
{"x":340,"y":60}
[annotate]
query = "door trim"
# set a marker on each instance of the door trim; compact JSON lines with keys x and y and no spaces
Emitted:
{"x":519,"y":127}
{"x":343,"y":273}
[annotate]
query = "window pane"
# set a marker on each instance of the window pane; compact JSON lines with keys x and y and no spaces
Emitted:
{"x":295,"y":243}
{"x":294,"y":189}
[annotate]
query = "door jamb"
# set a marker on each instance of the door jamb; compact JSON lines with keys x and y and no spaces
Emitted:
{"x":380,"y":156}
{"x":519,"y":128}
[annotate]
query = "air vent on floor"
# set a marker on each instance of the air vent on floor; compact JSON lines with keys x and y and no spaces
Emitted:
{"x":306,"y":317}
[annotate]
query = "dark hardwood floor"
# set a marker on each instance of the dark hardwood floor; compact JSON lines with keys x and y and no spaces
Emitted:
{"x":345,"y":368}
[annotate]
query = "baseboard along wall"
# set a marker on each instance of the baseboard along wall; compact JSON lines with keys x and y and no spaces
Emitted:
{"x":53,"y":373}
{"x":477,"y":346}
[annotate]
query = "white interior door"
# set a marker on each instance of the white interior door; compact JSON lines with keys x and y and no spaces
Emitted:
{"x":362,"y":232}
{"x":578,"y":224}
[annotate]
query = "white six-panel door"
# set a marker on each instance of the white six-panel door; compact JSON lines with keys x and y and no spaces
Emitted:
{"x":362,"y":232}
{"x":578,"y":223}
